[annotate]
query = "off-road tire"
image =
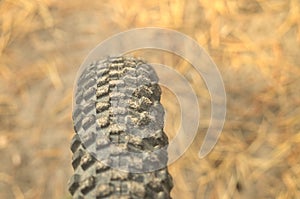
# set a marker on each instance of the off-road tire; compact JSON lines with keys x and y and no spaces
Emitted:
{"x":117,"y":103}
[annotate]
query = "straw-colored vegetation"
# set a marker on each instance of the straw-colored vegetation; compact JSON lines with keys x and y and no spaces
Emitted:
{"x":255,"y":43}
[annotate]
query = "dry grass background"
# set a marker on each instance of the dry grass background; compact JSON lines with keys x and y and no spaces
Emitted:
{"x":256,"y":45}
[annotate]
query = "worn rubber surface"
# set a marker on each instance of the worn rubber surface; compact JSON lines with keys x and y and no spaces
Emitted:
{"x":118,"y":120}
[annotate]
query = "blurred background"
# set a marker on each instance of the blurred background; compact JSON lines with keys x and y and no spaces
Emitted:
{"x":255,"y":43}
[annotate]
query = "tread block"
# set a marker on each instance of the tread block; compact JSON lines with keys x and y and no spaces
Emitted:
{"x":103,"y":80}
{"x":102,"y":142}
{"x":76,"y":158}
{"x":102,"y":72}
{"x":74,"y":183}
{"x":143,"y":91}
{"x":89,"y":107}
{"x":88,"y":139}
{"x":86,"y":161}
{"x":75,"y":143}
{"x":102,"y":166}
{"x":88,"y":121}
{"x":102,"y":106}
{"x":103,"y":90}
{"x":137,"y":190}
{"x":87,"y":185}
{"x":79,"y":96}
{"x":89,"y":93}
{"x":91,"y":82}
{"x":116,"y":129}
{"x":104,"y":190}
{"x":119,"y":175}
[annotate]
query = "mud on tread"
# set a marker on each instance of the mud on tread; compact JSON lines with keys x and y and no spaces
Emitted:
{"x":117,"y":102}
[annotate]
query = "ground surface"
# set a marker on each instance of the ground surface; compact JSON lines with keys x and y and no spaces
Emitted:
{"x":256,"y":45}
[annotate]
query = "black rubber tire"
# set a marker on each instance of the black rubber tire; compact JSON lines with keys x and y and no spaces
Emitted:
{"x":117,"y":102}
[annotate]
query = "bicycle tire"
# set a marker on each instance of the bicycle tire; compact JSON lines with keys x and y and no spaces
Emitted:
{"x":117,"y":101}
